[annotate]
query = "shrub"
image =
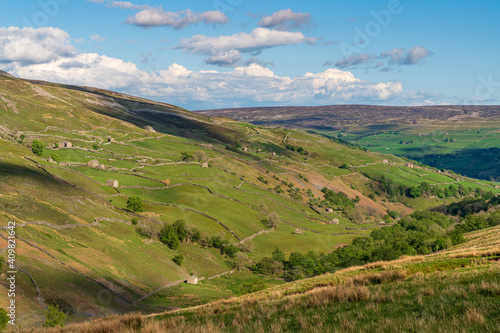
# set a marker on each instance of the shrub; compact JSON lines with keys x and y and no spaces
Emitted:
{"x":135,"y":220}
{"x":178,"y":259}
{"x":54,"y":317}
{"x":95,"y":146}
{"x":56,"y":157}
{"x":37,"y":147}
{"x":135,"y":204}
{"x":4,"y":319}
{"x":251,"y":287}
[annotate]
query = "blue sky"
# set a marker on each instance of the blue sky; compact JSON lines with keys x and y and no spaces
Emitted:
{"x":230,"y":53}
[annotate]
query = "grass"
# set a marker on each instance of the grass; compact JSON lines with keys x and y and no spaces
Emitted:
{"x":431,"y":294}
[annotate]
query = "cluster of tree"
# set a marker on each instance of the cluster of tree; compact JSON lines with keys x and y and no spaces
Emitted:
{"x":37,"y":147}
{"x":299,"y":150}
{"x":423,"y":190}
{"x":422,"y":232}
{"x":470,"y":205}
{"x":173,"y":235}
{"x":334,"y":200}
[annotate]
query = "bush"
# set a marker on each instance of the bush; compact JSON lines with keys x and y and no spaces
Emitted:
{"x":393,"y":213}
{"x":135,"y":220}
{"x":37,"y":147}
{"x":178,"y":259}
{"x":4,"y":319}
{"x":135,"y":204}
{"x":251,"y":287}
{"x":95,"y":146}
{"x":54,"y":317}
{"x":56,"y":157}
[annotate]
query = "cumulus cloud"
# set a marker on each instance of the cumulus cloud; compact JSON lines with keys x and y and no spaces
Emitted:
{"x":157,"y":17}
{"x":251,"y":83}
{"x":254,"y":42}
{"x":32,"y":46}
{"x":286,"y":19}
{"x":225,"y":58}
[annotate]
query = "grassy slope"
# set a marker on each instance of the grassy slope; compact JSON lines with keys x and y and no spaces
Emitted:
{"x":105,"y":267}
{"x":445,"y":292}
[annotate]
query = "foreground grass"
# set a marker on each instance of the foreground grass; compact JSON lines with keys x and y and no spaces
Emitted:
{"x":409,"y":295}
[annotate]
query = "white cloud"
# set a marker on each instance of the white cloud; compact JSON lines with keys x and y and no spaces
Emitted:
{"x":28,"y":45}
{"x":96,"y":38}
{"x":177,"y":84}
{"x":225,"y":58}
{"x":127,"y":5}
{"x":286,"y":19}
{"x":157,"y":17}
{"x":254,"y":42}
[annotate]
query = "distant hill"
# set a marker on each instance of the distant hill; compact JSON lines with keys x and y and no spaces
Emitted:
{"x":445,"y":137}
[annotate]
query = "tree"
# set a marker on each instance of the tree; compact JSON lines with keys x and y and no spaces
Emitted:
{"x":135,"y":221}
{"x":55,"y":157}
{"x":185,"y":157}
{"x":4,"y":319}
{"x":169,"y":237}
{"x":54,"y":317}
{"x":135,"y":204}
{"x":178,"y":259}
{"x":273,"y":220}
{"x":95,"y":146}
{"x":181,"y":230}
{"x":37,"y":147}
{"x":279,"y":255}
{"x":241,"y":259}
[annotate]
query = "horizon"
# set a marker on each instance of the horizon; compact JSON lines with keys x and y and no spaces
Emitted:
{"x":221,"y":54}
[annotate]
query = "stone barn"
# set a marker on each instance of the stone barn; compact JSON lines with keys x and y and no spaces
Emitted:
{"x":111,"y":139}
{"x":113,"y":183}
{"x":329,"y":210}
{"x":93,"y":163}
{"x":204,"y":165}
{"x":66,"y":144}
{"x":192,"y":280}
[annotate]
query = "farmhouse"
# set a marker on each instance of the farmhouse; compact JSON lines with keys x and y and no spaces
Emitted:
{"x":409,"y":165}
{"x":93,"y":163}
{"x":66,"y":144}
{"x":112,"y":182}
{"x":192,"y":280}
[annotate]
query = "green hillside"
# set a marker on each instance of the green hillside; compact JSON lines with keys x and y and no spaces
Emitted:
{"x":454,"y":291}
{"x":220,"y":194}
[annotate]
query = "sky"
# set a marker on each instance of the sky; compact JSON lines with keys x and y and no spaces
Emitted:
{"x":241,"y":53}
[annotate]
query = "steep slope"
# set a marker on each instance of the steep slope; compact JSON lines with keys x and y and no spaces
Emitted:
{"x":253,"y":187}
